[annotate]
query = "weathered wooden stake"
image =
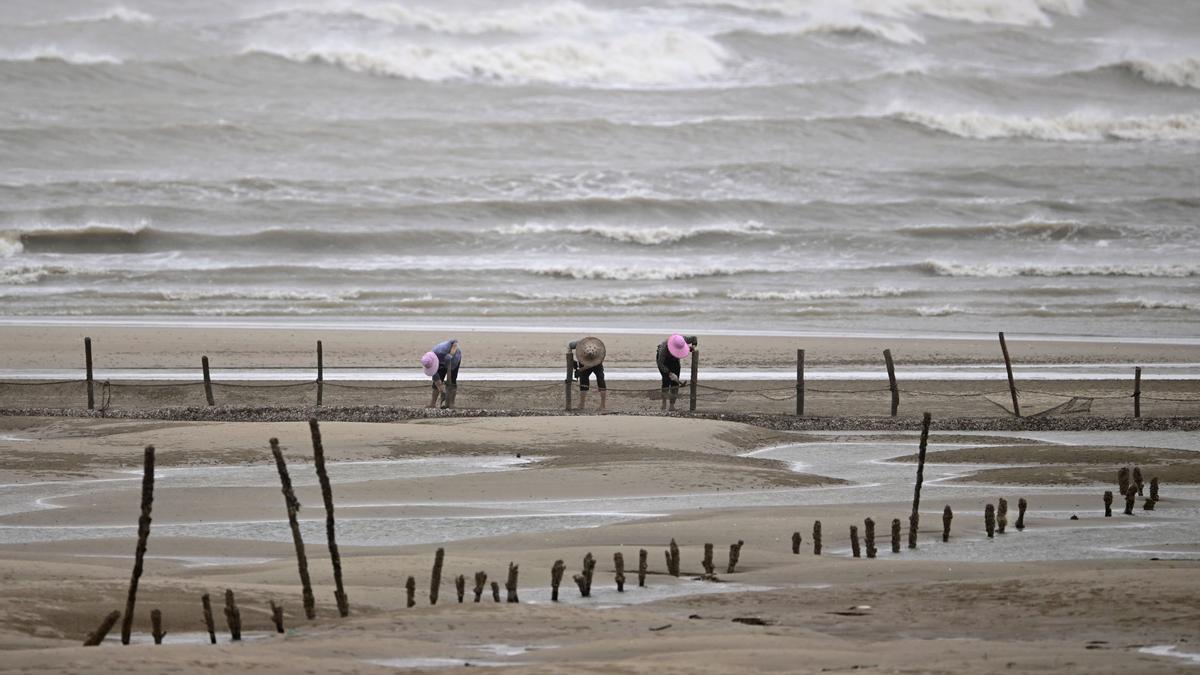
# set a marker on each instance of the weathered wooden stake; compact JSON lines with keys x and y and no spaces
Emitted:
{"x":480,"y":584}
{"x":156,"y":629}
{"x":1148,"y":505}
{"x":1130,"y":500}
{"x":947,"y":519}
{"x":87,"y":358}
{"x":584,"y":580}
{"x":735,"y":554}
{"x":1137,"y":391}
{"x":914,"y":520}
{"x":854,"y":541}
{"x":1108,"y":500}
{"x":891,"y":371}
{"x":97,"y":636}
{"x":1012,"y":384}
{"x":673,"y":559}
{"x":510,"y":584}
{"x":619,"y":564}
{"x":1021,"y":506}
{"x":435,"y":579}
{"x":570,"y":378}
{"x":208,"y":618}
{"x":339,"y":593}
{"x":692,"y":384}
{"x":989,"y":520}
{"x":1154,"y":488}
{"x":799,"y":382}
{"x":556,"y":575}
{"x":208,"y":395}
{"x":707,"y":563}
{"x":277,"y":617}
{"x":233,"y":616}
{"x":293,"y":508}
{"x":869,"y":536}
{"x":1137,"y":480}
{"x":495,"y":591}
{"x":643,"y":566}
{"x":320,"y":373}
{"x":1002,"y":515}
{"x":460,"y":587}
{"x":895,"y":535}
{"x":816,"y":537}
{"x":410,"y":590}
{"x":796,"y":541}
{"x":143,"y":535}
{"x":1123,"y":480}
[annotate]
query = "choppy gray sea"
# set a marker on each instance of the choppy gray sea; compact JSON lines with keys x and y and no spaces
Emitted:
{"x":911,"y":165}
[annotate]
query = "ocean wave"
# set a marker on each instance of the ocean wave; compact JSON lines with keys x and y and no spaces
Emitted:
{"x":1153,"y":303}
{"x":526,"y":19}
{"x":645,"y":236}
{"x":1073,"y":127}
{"x":89,"y":237}
{"x":669,"y":57}
{"x":1012,"y":12}
{"x":824,"y":294}
{"x":29,"y":274}
{"x":195,"y":295}
{"x":944,"y":269}
{"x":59,"y":54}
{"x":1030,"y":228}
{"x":1181,"y":73}
{"x":619,"y":298}
{"x":664,"y":273}
{"x":940,"y":310}
{"x":896,"y":33}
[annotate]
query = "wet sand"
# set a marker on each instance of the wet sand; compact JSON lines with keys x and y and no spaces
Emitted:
{"x":1039,"y":599}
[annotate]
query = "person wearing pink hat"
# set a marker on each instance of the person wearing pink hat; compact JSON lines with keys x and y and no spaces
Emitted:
{"x":441,"y":363}
{"x":670,"y":351}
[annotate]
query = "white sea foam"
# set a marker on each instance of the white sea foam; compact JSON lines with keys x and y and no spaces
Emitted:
{"x":1014,"y":12}
{"x":192,"y":295}
{"x":941,"y":310}
{"x":10,"y":244}
{"x":532,"y":18}
{"x":825,"y":294}
{"x":56,"y":53}
{"x":29,"y":274}
{"x":1181,"y":73}
{"x":1157,"y":303}
{"x":633,"y":234}
{"x":119,"y":13}
{"x":1074,"y":127}
{"x":663,"y":273}
{"x":619,"y":298}
{"x":668,"y":57}
{"x":947,"y":269}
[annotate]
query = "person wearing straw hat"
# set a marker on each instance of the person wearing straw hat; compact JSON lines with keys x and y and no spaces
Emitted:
{"x":670,"y":351}
{"x":441,"y":363}
{"x":589,"y":359}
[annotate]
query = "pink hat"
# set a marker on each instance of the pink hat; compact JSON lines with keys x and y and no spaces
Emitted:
{"x":429,"y":363}
{"x":678,"y":347}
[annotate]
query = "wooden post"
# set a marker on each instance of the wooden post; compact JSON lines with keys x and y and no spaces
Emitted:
{"x":584,"y":580}
{"x":707,"y":563}
{"x":97,"y":636}
{"x":277,"y":616}
{"x":799,"y":382}
{"x":816,"y":537}
{"x":1012,"y":385}
{"x":495,"y":591}
{"x":233,"y":616}
{"x":1137,"y":481}
{"x":556,"y":575}
{"x":208,"y":395}
{"x":339,"y":593}
{"x":410,"y":592}
{"x":570,"y":379}
{"x":1148,"y":505}
{"x":673,"y":559}
{"x":1137,"y":391}
{"x":143,"y":534}
{"x":619,"y":564}
{"x":869,"y":535}
{"x":735,"y":554}
{"x":1123,"y":480}
{"x":796,"y":541}
{"x":460,"y":587}
{"x":87,"y":358}
{"x":891,"y":370}
{"x":480,"y":583}
{"x":1021,"y":506}
{"x":895,"y":535}
{"x":854,"y":541}
{"x":293,"y":508}
{"x":1002,"y":515}
{"x":947,"y":519}
{"x":208,"y":618}
{"x":643,"y":563}
{"x":989,"y":520}
{"x":695,"y":376}
{"x":914,"y":520}
{"x":1154,"y":488}
{"x":320,"y":372}
{"x":1108,"y":500}
{"x":1130,"y":499}
{"x":510,"y":584}
{"x":435,"y":579}
{"x":156,"y":629}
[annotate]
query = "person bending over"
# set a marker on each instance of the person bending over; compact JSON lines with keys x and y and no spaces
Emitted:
{"x":441,"y":363}
{"x":589,"y":360}
{"x":670,"y":351}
